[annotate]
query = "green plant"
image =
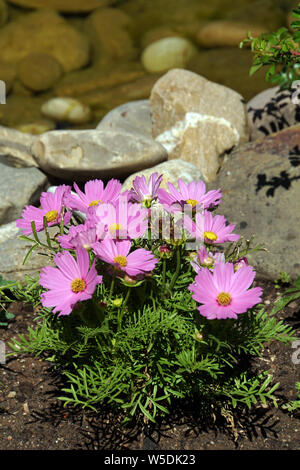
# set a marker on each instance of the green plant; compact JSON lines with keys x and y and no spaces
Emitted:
{"x":162,"y":352}
{"x":284,"y":278}
{"x":294,"y":405}
{"x":293,"y":293}
{"x":279,"y":51}
{"x":5,"y":316}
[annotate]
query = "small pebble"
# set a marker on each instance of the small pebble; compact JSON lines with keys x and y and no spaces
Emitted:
{"x":67,"y":109}
{"x":167,"y":53}
{"x":26,"y":408}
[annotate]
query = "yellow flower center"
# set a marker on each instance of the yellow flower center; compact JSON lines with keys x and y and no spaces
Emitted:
{"x":192,"y":202}
{"x":224,"y":298}
{"x":51,"y":216}
{"x":114,"y":227}
{"x":121,"y":260}
{"x":210,"y":236}
{"x":95,"y":202}
{"x":78,"y":285}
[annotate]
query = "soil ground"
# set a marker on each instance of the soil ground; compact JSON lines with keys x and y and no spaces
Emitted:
{"x":32,"y":418}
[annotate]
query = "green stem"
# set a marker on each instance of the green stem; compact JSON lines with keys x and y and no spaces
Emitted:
{"x":61,"y":225}
{"x":100,"y":314}
{"x":164,"y":271}
{"x":112,"y":287}
{"x":127,"y":297}
{"x":178,"y":263}
{"x":37,"y":238}
{"x":46,"y":231}
{"x":121,"y":311}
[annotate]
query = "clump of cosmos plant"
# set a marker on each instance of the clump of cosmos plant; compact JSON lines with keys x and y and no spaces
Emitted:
{"x":149,"y":294}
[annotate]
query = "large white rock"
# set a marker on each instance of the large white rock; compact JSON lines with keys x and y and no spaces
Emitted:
{"x":88,"y":154}
{"x":197,"y":120}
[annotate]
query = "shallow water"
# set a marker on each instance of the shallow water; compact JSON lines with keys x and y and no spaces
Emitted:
{"x":109,"y":71}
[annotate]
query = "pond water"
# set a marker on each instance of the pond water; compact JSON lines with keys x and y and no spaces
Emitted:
{"x":102,"y":52}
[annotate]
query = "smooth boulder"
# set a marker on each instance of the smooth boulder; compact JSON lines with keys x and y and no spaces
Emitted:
{"x":273,"y":110}
{"x":197,"y":120}
{"x":82,"y":155}
{"x":260,"y":183}
{"x":18,"y":187}
{"x":44,"y":31}
{"x":134,"y":116}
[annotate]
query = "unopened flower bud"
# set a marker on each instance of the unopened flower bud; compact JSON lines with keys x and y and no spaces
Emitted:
{"x":164,"y":251}
{"x":129,"y":280}
{"x":117,"y":302}
{"x":192,"y":255}
{"x":198,"y":336}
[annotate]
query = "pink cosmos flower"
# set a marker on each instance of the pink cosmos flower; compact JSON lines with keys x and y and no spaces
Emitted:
{"x":94,"y":194}
{"x":210,"y":229}
{"x":83,"y":235}
{"x":193,"y":194}
{"x":240,"y":263}
{"x":116,"y":253}
{"x":224,"y":293}
{"x":51,"y":206}
{"x":71,"y":282}
{"x":204,"y":259}
{"x":144,"y":192}
{"x":121,"y":220}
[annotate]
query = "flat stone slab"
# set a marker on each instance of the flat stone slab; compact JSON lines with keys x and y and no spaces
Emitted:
{"x":83,"y":155}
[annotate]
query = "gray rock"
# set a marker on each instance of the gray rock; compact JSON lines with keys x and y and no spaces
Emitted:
{"x":272,"y":110}
{"x":84,"y":155}
{"x":260,"y":183}
{"x":15,"y":147}
{"x":13,"y":251}
{"x":18,"y":187}
{"x":262,"y":98}
{"x":9,"y":231}
{"x":134,"y":116}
